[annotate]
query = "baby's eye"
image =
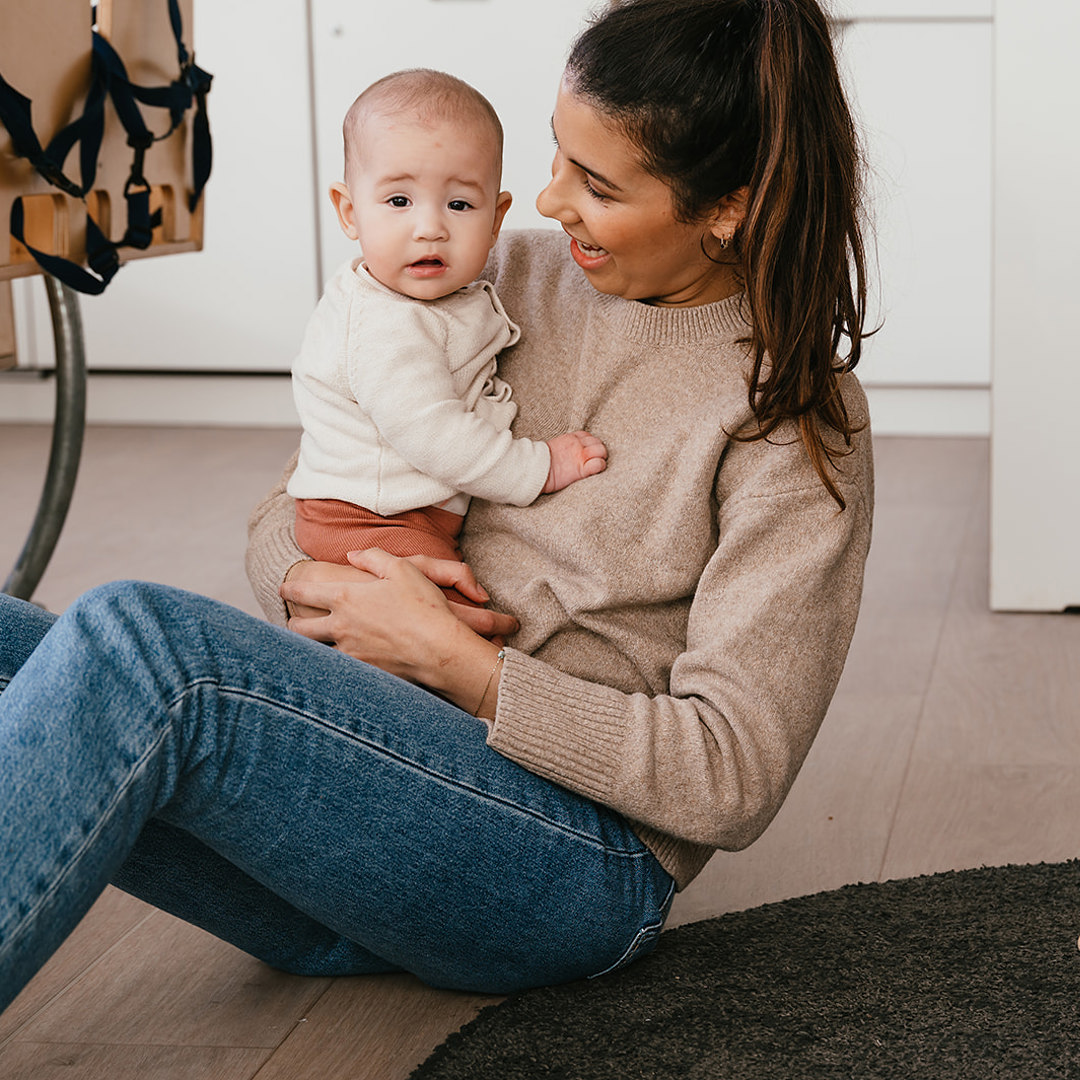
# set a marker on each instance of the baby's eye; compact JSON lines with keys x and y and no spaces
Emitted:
{"x":459,"y":204}
{"x":399,"y":201}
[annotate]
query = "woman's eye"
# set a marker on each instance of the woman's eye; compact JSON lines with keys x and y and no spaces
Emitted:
{"x":459,"y":204}
{"x":399,"y":201}
{"x":592,"y":191}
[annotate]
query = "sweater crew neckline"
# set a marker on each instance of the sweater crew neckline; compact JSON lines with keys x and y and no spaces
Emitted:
{"x":660,"y":325}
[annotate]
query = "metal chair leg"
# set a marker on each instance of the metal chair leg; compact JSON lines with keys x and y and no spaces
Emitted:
{"x":69,"y":425}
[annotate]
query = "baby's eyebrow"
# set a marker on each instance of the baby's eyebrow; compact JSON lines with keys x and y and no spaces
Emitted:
{"x":456,"y":181}
{"x":461,"y":181}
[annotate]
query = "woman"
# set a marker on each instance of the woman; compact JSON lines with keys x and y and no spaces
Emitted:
{"x":676,"y":626}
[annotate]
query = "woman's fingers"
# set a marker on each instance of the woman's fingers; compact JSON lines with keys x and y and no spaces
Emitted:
{"x":446,"y":573}
{"x":309,"y":585}
{"x":309,"y":599}
{"x":303,"y":611}
{"x":332,"y":603}
{"x":373,"y":560}
{"x":317,"y":627}
{"x":485,"y":622}
{"x":451,"y":574}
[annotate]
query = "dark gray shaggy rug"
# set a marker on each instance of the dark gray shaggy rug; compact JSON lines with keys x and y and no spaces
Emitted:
{"x":973,"y":974}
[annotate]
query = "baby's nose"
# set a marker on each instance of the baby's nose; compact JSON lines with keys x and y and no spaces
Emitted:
{"x":431,"y":225}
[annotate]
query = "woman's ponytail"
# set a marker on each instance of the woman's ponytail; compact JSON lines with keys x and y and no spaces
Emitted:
{"x":801,"y":244}
{"x":725,"y":94}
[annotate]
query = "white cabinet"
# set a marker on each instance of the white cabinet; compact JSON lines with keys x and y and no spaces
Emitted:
{"x":923,"y":10}
{"x":1035,"y":522}
{"x":922,"y":95}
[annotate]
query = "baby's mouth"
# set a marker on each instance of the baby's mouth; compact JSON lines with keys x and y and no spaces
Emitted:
{"x":429,"y":263}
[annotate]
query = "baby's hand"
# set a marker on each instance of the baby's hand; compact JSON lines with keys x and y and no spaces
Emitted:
{"x":573,"y":457}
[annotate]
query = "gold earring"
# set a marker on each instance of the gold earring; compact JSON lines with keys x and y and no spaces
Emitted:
{"x":724,"y":241}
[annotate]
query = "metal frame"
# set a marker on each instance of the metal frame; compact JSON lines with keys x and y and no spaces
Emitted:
{"x":69,"y":425}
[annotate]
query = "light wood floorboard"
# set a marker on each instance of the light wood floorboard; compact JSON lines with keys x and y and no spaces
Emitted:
{"x":995,"y":765}
{"x":372,"y":1028}
{"x":113,"y":916}
{"x":953,"y":741}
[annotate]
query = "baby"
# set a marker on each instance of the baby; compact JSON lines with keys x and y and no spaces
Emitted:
{"x":404,"y":417}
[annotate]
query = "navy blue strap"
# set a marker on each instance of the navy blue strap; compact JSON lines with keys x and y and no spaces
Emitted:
{"x":202,"y":156}
{"x":101,"y":257}
{"x":15,"y":116}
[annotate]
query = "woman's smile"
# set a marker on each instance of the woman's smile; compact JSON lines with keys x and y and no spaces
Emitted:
{"x":587,"y":256}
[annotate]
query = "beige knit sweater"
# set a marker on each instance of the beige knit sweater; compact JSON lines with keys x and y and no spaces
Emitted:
{"x":685,"y":615}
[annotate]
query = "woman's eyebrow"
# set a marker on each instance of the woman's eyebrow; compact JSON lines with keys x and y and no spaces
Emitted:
{"x":585,"y":168}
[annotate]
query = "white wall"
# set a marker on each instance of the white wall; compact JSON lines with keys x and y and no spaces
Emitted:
{"x":920,"y":78}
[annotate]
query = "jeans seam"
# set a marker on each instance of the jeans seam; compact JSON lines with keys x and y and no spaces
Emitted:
{"x":645,"y":936}
{"x":389,"y":754}
{"x":100,"y":822}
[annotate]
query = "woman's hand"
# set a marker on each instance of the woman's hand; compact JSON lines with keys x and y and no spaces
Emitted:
{"x":388,"y":611}
{"x":315,"y":572}
{"x":391,"y":613}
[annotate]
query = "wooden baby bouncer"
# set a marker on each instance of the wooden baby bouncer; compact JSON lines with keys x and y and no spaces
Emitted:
{"x":104,"y":151}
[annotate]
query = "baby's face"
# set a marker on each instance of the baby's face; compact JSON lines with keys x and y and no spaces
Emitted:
{"x":426,"y":202}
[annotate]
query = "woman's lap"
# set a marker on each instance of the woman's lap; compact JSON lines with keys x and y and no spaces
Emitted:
{"x":313,"y":810}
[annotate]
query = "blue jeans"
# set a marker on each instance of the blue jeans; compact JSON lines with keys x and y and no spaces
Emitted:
{"x":318,"y":813}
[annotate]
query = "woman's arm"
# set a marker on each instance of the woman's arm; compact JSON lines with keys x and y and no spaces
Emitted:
{"x":712,"y":760}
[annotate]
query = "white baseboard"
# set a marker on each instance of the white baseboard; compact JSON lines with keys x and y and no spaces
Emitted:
{"x":266,"y":401}
{"x":166,"y":399}
{"x":929,"y":410}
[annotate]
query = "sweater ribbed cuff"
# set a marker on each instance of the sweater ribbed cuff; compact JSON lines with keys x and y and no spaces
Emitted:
{"x":539,"y":725}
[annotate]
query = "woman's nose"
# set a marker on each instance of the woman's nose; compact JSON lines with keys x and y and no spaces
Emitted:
{"x":552,"y":202}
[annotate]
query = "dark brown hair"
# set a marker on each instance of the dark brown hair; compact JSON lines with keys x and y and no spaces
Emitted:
{"x":725,"y":94}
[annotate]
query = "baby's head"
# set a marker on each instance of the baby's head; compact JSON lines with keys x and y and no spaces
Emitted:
{"x":423,"y":164}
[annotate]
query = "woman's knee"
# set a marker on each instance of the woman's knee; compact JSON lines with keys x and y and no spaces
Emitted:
{"x":22,"y":626}
{"x":129,"y":599}
{"x":121,"y":611}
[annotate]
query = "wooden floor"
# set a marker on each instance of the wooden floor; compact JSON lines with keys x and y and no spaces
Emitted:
{"x":953,"y":741}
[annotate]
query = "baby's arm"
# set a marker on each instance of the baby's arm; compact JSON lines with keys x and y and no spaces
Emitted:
{"x":573,"y":457}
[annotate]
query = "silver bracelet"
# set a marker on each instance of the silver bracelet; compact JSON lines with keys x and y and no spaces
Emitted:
{"x":500,"y":656}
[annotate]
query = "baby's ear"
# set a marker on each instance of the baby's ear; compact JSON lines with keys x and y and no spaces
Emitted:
{"x":502,"y":204}
{"x":343,"y":205}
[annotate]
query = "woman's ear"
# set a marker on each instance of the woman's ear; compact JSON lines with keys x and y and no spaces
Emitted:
{"x":343,"y":205}
{"x":730,"y":214}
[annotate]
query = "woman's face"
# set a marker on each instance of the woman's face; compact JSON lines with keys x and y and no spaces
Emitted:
{"x":621,"y":220}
